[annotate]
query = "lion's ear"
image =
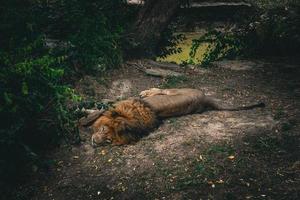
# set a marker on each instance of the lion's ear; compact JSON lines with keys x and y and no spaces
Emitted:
{"x":114,"y":113}
{"x":92,"y":117}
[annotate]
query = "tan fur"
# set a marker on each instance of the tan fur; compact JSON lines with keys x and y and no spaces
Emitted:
{"x":174,"y":102}
{"x":131,"y":119}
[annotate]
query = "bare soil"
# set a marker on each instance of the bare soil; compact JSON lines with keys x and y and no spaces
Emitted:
{"x":251,"y":154}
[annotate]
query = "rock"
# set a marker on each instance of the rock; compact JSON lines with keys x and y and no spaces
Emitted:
{"x":166,"y":65}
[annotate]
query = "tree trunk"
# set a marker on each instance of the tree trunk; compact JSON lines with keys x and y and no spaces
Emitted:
{"x":153,"y":18}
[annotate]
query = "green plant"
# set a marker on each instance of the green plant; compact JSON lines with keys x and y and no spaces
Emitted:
{"x":32,"y":111}
{"x":275,"y":30}
{"x":272,"y":29}
{"x":92,"y":30}
{"x":168,"y":42}
{"x":220,"y":45}
{"x":36,"y":78}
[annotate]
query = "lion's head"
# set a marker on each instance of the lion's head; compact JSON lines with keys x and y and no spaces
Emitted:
{"x":102,"y":130}
{"x":123,"y":124}
{"x":102,"y":135}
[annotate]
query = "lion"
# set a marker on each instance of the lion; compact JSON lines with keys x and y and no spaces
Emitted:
{"x":131,"y":119}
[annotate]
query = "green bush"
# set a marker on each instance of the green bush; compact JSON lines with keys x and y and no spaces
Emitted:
{"x":32,"y":103}
{"x":44,"y":46}
{"x":220,"y":45}
{"x":91,"y":28}
{"x":272,"y":29}
{"x":168,"y":41}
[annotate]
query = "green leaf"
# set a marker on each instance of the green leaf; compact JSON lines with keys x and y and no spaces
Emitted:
{"x":25,"y":88}
{"x":7,"y":98}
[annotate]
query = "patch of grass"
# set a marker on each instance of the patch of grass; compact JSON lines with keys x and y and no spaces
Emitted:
{"x":201,"y":175}
{"x":290,"y":143}
{"x":279,"y":114}
{"x":172,"y":120}
{"x":209,"y":169}
{"x":173,"y":81}
{"x":267,"y":143}
{"x":223,"y":149}
{"x":188,"y":183}
{"x":286,"y":126}
{"x":200,"y":168}
{"x":272,"y":145}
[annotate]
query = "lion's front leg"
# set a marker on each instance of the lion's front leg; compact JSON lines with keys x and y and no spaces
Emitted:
{"x":170,"y":92}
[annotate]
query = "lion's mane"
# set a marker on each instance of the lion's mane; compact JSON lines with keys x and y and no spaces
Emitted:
{"x":128,"y":121}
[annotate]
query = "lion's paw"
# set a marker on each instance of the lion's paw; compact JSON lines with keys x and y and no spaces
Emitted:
{"x":150,"y":92}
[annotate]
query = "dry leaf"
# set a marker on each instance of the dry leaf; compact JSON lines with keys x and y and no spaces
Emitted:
{"x":231,"y":157}
{"x":103,"y":152}
{"x":220,"y":181}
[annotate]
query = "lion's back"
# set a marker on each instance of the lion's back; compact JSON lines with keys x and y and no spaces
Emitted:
{"x":175,"y":105}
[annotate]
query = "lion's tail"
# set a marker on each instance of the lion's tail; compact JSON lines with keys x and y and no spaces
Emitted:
{"x":212,"y":104}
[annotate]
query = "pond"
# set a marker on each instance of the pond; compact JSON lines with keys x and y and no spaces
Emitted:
{"x":185,"y":46}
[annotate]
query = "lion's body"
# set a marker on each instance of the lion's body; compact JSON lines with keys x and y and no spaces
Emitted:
{"x":188,"y":101}
{"x":130,"y":119}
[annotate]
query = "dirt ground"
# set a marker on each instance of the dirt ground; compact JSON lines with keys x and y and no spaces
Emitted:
{"x":251,"y":154}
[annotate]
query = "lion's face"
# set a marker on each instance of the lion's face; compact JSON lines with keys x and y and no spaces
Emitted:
{"x":102,"y":135}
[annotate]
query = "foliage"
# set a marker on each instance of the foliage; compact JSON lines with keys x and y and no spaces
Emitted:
{"x":271,"y":30}
{"x":92,"y":28}
{"x":44,"y":45}
{"x":220,"y":45}
{"x":32,"y":109}
{"x":168,"y":42}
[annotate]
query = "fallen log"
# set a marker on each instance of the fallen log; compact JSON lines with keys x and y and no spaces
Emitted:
{"x":162,"y":72}
{"x":165,"y":65}
{"x":155,"y":70}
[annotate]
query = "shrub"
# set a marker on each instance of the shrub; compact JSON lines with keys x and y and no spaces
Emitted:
{"x":92,"y":28}
{"x":32,"y":110}
{"x":220,"y":45}
{"x":271,"y":30}
{"x":274,"y":31}
{"x":36,"y":74}
{"x":169,"y":41}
